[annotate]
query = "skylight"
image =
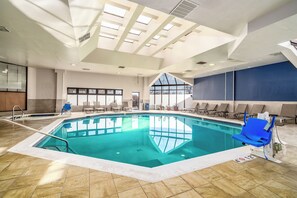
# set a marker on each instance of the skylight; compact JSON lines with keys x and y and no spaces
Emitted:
{"x":144,"y":19}
{"x":156,"y":37}
{"x":110,"y":9}
{"x":168,"y":27}
{"x":110,"y":25}
{"x":129,"y":40}
{"x":107,"y":36}
{"x":136,"y":32}
{"x":148,"y":44}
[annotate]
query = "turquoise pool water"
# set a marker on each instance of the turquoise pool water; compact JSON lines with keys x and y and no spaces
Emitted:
{"x":148,"y":140}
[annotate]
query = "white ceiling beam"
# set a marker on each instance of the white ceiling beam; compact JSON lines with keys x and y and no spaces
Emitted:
{"x":162,"y":22}
{"x":175,"y":39}
{"x":130,"y":22}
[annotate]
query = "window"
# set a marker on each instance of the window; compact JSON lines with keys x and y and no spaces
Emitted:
{"x":170,"y":91}
{"x":111,"y":9}
{"x":110,"y":25}
{"x":77,"y":96}
{"x":107,"y":36}
{"x":144,"y":19}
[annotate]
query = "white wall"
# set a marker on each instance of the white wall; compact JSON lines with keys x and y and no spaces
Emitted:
{"x":91,"y":80}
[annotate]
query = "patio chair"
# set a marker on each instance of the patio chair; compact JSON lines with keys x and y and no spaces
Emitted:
{"x":222,"y":110}
{"x":114,"y":106}
{"x":97,"y":107}
{"x":288,"y":111}
{"x":211,"y":108}
{"x":202,"y":108}
{"x":126,"y":107}
{"x":240,"y":110}
{"x":193,"y":107}
{"x":257,"y":108}
{"x":87,"y":107}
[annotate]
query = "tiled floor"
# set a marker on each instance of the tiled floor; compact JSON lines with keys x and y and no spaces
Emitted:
{"x":25,"y":176}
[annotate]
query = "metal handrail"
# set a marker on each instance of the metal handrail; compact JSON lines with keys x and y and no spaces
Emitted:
{"x":46,"y":134}
{"x":14,"y":109}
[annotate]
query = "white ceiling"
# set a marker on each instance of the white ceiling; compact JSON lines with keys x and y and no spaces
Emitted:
{"x":227,"y":34}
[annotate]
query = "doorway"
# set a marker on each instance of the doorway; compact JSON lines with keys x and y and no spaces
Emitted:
{"x":135,"y":100}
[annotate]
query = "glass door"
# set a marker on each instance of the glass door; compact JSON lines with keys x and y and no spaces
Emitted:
{"x":135,"y":100}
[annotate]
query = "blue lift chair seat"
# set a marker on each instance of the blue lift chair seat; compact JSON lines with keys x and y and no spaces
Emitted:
{"x":66,"y":108}
{"x":255,"y":132}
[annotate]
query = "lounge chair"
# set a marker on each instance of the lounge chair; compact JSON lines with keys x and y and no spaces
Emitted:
{"x":114,"y":106}
{"x":202,"y":108}
{"x":257,"y":108}
{"x":240,"y":110}
{"x":193,"y":107}
{"x":211,"y":108}
{"x":97,"y":107}
{"x":222,"y":110}
{"x":126,"y":107}
{"x":288,"y":111}
{"x":87,"y":107}
{"x":255,"y":132}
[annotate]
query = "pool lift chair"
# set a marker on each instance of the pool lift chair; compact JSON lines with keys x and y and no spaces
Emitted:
{"x":66,"y":108}
{"x":259,"y":134}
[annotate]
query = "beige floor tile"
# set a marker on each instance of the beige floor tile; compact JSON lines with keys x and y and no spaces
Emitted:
{"x":125,"y":183}
{"x":47,"y":192}
{"x":79,"y":192}
{"x":133,"y":193}
{"x":177,"y":185}
{"x":114,"y":176}
{"x":209,"y":174}
{"x":58,"y":195}
{"x":102,"y":189}
{"x":188,"y":194}
{"x":229,"y":187}
{"x":98,"y":176}
{"x":142,"y":183}
{"x":224,"y":170}
{"x":243,"y":181}
{"x":75,"y":170}
{"x":280,"y":189}
{"x":5,"y":184}
{"x":262,"y":192}
{"x":3,"y":165}
{"x":9,"y":174}
{"x":20,"y":192}
{"x":23,"y":181}
{"x":79,"y":181}
{"x":209,"y":190}
{"x":156,"y":190}
{"x":36,"y":170}
{"x":194,"y":179}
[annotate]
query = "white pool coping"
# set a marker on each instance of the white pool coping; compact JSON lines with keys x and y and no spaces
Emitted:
{"x":138,"y":172}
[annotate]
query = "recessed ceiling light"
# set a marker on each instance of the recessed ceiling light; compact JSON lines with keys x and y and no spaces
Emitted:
{"x":111,"y":9}
{"x":73,"y":64}
{"x":156,"y":37}
{"x":129,"y":40}
{"x":134,"y":31}
{"x":110,"y":25}
{"x":144,"y":19}
{"x":107,"y":36}
{"x":121,"y":67}
{"x":168,"y":27}
{"x":212,"y":64}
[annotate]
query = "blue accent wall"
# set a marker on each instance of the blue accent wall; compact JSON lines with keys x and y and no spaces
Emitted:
{"x":209,"y":88}
{"x":275,"y":82}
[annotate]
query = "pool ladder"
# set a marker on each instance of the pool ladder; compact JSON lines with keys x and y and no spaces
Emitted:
{"x":13,"y":109}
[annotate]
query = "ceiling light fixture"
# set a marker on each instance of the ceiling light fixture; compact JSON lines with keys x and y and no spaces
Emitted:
{"x":121,"y":67}
{"x":144,"y":19}
{"x":168,"y":27}
{"x":5,"y":71}
{"x":110,"y":25}
{"x":134,"y":31}
{"x":212,"y":64}
{"x":148,"y":44}
{"x":73,"y":64}
{"x":201,"y":62}
{"x":113,"y":10}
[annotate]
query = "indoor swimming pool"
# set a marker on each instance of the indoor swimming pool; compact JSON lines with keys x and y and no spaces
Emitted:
{"x":148,"y":140}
